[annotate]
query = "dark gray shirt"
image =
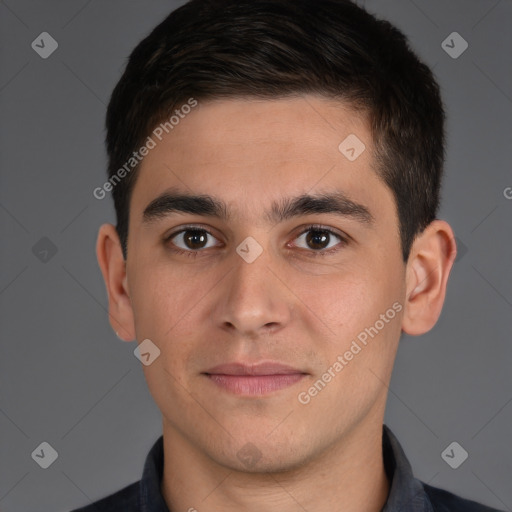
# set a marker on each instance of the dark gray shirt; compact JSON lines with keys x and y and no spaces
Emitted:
{"x":406,"y":494}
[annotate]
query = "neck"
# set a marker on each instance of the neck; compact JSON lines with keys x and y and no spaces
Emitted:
{"x":348,"y":476}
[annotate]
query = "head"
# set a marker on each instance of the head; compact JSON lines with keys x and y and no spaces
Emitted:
{"x":275,"y":116}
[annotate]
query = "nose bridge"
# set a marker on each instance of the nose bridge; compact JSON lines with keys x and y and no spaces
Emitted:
{"x":252,"y":299}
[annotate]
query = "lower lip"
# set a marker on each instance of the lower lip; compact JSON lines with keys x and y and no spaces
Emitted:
{"x":254,"y":385}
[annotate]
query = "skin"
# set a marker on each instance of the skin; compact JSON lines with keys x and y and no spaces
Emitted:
{"x":287,"y":306}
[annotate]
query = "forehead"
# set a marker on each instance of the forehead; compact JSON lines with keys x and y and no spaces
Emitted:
{"x":253,"y":151}
{"x":287,"y":129}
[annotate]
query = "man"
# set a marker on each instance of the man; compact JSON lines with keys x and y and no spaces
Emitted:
{"x":275,"y":167}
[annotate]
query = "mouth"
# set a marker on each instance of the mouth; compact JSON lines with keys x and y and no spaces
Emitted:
{"x":254,"y":379}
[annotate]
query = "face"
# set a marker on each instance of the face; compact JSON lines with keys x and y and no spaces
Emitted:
{"x":302,"y":305}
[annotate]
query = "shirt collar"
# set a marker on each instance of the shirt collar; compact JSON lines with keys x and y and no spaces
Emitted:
{"x":406,"y":493}
{"x":150,"y":495}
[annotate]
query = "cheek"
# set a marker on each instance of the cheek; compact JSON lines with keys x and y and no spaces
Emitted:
{"x":361,"y":349}
{"x":342,"y":304}
{"x":165,"y":304}
{"x":164,"y":300}
{"x":361,"y":306}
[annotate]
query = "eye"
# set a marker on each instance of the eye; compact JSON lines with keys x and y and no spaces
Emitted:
{"x":318,"y":239}
{"x":190,"y":239}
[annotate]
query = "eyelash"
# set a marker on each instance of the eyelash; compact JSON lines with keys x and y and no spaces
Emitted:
{"x":312,"y":227}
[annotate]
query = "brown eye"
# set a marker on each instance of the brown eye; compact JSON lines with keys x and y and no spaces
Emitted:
{"x":319,"y":239}
{"x":191,"y":239}
{"x":194,"y":239}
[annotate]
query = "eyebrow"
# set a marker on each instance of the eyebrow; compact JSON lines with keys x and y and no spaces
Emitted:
{"x":174,"y":201}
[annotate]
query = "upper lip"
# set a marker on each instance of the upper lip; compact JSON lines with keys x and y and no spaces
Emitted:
{"x":261,"y":368}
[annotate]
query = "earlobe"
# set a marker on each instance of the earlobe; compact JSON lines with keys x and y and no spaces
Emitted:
{"x":113,"y":268}
{"x":428,"y":268}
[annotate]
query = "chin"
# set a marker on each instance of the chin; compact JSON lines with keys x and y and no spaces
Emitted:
{"x":262,"y":455}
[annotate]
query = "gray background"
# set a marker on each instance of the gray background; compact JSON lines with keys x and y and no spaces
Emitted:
{"x":65,"y":377}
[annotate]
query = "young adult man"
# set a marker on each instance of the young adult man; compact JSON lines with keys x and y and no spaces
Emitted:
{"x":275,"y":167}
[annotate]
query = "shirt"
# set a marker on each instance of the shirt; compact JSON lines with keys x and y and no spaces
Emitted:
{"x":406,"y":494}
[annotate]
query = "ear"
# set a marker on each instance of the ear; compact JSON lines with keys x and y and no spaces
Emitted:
{"x":428,"y":267}
{"x":113,"y":267}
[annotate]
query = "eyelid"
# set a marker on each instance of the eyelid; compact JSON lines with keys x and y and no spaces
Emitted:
{"x":321,"y":227}
{"x":189,"y":227}
{"x":185,"y":227}
{"x":344,"y":238}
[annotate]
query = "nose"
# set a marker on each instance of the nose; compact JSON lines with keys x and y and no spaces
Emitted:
{"x":254,"y":300}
